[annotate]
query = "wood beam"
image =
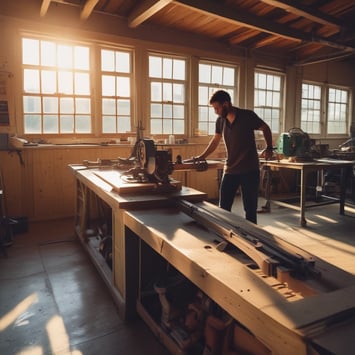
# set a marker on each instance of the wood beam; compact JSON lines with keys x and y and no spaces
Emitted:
{"x":88,"y":9}
{"x":305,"y":11}
{"x":44,"y":7}
{"x":145,"y":10}
{"x":327,"y":58}
{"x":243,"y":18}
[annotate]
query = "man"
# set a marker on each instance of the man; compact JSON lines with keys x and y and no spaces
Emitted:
{"x":237,"y":127}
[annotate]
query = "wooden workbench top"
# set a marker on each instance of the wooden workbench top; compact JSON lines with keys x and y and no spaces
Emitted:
{"x":316,"y":163}
{"x":276,"y":314}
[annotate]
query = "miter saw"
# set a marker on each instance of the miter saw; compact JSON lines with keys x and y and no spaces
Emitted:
{"x":295,"y":144}
{"x":149,"y":164}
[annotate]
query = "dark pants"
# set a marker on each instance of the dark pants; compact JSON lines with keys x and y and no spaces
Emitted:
{"x":249,"y":184}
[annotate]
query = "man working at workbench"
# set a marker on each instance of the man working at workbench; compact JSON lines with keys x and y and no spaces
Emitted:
{"x":237,"y":127}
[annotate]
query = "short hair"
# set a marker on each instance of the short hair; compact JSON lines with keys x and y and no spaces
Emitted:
{"x":220,"y":96}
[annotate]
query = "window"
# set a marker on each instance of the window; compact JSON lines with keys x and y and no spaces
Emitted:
{"x":311,"y":108}
{"x":268,"y":94}
{"x":56,"y":87}
{"x":212,"y":77}
{"x":116,"y":91}
{"x":167,"y":77}
{"x":336,"y":109}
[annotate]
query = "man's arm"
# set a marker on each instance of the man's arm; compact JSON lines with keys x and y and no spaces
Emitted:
{"x":268,"y":151}
{"x":212,"y":145}
{"x":267,"y":134}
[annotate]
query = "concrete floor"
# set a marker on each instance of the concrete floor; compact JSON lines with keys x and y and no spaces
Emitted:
{"x":53,"y":301}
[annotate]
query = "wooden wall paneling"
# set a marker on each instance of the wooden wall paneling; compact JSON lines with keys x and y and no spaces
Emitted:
{"x":51,"y":194}
{"x":12,"y":169}
{"x":48,"y":183}
{"x":28,"y":184}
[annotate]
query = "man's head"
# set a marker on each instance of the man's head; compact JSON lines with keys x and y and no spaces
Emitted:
{"x":221,"y":102}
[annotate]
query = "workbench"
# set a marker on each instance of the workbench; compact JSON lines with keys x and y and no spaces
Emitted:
{"x":304,"y":168}
{"x":92,"y":193}
{"x":284,"y":320}
{"x":150,"y":231}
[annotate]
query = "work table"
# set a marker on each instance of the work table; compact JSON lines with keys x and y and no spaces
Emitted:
{"x":305,"y":167}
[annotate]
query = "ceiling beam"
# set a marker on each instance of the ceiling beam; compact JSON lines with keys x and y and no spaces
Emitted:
{"x":307,"y":12}
{"x":145,"y":10}
{"x":88,"y":9}
{"x":243,"y":18}
{"x":44,"y":7}
{"x":327,"y":58}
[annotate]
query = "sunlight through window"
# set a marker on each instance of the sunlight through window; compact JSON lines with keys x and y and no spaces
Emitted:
{"x":167,"y":76}
{"x":57,"y":334}
{"x":54,"y":74}
{"x":17,"y":311}
{"x":116,"y":80}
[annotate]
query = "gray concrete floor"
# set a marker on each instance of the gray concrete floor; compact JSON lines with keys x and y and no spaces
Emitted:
{"x":53,"y":301}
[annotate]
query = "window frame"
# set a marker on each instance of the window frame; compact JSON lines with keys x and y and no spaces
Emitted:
{"x":211,"y":88}
{"x":325,"y":87}
{"x":185,"y":103}
{"x":56,"y":95}
{"x":282,"y":94}
{"x":347,"y":114}
{"x":116,"y":74}
{"x":311,"y":100}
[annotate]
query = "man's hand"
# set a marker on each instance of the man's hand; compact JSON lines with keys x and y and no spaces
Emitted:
{"x":193,"y":160}
{"x":267,"y":153}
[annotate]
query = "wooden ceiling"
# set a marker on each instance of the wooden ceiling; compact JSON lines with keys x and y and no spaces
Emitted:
{"x":304,"y":31}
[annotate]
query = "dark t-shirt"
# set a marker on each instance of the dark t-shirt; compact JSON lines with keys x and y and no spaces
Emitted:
{"x":239,"y":139}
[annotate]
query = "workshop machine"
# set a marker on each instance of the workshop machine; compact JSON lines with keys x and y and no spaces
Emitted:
{"x":147,"y":164}
{"x":295,"y":143}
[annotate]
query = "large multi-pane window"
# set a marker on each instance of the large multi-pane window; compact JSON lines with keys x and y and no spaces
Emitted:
{"x":167,"y":78}
{"x":311,"y":108}
{"x":268,"y":98}
{"x":335,"y":102}
{"x":116,"y":72}
{"x":212,"y":77}
{"x":56,"y":87}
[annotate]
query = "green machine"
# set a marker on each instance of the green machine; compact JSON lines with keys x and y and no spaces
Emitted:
{"x":294,"y":143}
